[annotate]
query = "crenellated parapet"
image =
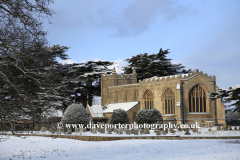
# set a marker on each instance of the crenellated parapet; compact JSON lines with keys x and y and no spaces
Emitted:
{"x":179,"y":77}
{"x":118,"y":76}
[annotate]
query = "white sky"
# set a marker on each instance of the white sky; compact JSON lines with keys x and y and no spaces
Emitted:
{"x":202,"y":34}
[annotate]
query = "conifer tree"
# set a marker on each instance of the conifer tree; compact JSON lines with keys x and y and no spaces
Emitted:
{"x":230,"y":95}
{"x":149,"y":65}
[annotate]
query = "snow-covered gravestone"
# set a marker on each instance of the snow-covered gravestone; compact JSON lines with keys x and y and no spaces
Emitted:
{"x":218,"y":128}
{"x":75,"y":114}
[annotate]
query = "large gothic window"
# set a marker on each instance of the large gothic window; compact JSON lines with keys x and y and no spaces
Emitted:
{"x":169,"y":99}
{"x":148,"y":100}
{"x":197,"y":100}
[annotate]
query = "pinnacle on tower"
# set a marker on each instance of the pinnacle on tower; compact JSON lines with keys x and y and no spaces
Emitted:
{"x":114,"y":71}
{"x":134,"y":71}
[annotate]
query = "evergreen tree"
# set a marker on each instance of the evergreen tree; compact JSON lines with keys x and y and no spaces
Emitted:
{"x":154,"y":65}
{"x":81,"y":82}
{"x":24,"y":59}
{"x":230,"y":95}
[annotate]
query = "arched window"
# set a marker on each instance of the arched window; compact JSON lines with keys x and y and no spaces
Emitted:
{"x":125,"y":97}
{"x":169,"y":99}
{"x":197,"y":99}
{"x":116,"y":97}
{"x":148,"y":100}
{"x":134,"y":95}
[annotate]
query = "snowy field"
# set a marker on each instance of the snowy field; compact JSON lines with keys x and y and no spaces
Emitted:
{"x":48,"y":148}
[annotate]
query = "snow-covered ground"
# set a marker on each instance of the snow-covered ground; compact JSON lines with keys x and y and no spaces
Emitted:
{"x":48,"y":148}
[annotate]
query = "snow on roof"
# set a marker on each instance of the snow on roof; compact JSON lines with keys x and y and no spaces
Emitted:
{"x":171,"y":76}
{"x":125,"y":106}
{"x":96,"y":111}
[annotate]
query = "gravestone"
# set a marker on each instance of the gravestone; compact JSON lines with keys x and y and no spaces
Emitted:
{"x":120,"y":131}
{"x":84,"y":129}
{"x":218,"y":128}
{"x":94,"y":130}
{"x":102,"y":130}
{"x":69,"y":131}
{"x":171,"y":131}
{"x":158,"y":132}
{"x":132,"y":131}
{"x":224,"y":128}
{"x":166,"y":130}
{"x":163,"y":132}
{"x":128,"y":132}
{"x":76,"y":129}
{"x":235,"y":128}
{"x":155,"y":130}
{"x":228,"y":127}
{"x":141,"y":131}
{"x":135,"y":131}
{"x":146,"y":131}
{"x":110,"y":131}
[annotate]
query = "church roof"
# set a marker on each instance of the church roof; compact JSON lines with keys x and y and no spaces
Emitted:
{"x":125,"y":106}
{"x":96,"y":111}
{"x":181,"y":76}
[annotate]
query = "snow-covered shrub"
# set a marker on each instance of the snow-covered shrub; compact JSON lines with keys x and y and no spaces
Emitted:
{"x":75,"y":114}
{"x":119,"y":116}
{"x":148,"y":116}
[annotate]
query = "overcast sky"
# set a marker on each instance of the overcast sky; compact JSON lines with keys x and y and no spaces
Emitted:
{"x":203,"y":34}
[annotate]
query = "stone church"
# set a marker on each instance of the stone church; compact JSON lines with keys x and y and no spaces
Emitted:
{"x":179,"y":98}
